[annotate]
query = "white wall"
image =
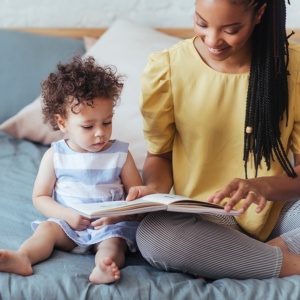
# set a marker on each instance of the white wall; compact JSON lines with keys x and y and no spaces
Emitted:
{"x":101,"y":13}
{"x":293,"y":14}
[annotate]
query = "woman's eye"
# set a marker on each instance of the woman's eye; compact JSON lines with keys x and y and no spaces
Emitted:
{"x":231,"y":32}
{"x":201,"y":25}
{"x":106,"y":123}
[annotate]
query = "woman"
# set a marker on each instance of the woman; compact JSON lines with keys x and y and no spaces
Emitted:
{"x":194,"y":99}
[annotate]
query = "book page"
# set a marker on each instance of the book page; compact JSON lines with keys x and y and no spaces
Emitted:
{"x":147,"y":203}
{"x":168,"y":199}
{"x":201,"y":209}
{"x":165,"y":199}
{"x":113,"y":206}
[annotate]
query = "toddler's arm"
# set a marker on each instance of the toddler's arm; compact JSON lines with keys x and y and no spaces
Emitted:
{"x":130,"y":177}
{"x":42,"y":195}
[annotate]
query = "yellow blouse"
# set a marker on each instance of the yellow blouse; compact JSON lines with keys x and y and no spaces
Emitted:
{"x":198,"y":113}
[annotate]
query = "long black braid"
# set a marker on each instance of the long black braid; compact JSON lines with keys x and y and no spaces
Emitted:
{"x":267,"y":98}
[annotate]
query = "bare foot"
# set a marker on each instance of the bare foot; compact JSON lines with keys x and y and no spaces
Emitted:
{"x":15,"y":262}
{"x":106,"y":272}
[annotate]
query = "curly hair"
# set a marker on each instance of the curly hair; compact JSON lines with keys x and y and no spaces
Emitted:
{"x":78,"y":81}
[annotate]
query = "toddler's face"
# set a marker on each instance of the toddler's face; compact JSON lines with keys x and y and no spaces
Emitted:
{"x":90,"y":129}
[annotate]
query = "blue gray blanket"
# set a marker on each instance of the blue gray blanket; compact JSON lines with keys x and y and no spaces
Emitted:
{"x":65,"y":275}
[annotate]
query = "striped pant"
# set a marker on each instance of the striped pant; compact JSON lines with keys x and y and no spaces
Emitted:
{"x":214,"y":246}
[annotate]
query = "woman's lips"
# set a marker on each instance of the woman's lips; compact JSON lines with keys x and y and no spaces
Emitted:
{"x":217,"y":51}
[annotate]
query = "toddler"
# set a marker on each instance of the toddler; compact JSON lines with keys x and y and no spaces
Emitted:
{"x":78,"y":99}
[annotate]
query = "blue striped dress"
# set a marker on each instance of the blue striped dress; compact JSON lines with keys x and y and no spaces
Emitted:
{"x":91,"y":177}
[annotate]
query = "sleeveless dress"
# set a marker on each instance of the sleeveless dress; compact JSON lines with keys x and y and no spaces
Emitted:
{"x":87,"y":178}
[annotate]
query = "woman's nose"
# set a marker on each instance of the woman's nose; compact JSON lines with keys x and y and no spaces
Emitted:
{"x":212,"y":38}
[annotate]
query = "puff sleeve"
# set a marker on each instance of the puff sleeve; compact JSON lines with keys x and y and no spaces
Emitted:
{"x":156,"y":104}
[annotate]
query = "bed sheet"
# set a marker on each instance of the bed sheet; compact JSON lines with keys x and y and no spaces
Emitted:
{"x":65,"y":275}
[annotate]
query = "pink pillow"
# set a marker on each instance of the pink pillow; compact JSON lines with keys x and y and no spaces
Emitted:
{"x":28,"y":124}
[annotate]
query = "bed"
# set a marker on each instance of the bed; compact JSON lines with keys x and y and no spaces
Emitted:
{"x":24,"y":139}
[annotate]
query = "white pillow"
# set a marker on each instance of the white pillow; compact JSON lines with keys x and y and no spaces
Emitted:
{"x":89,"y":42}
{"x":126,"y":45}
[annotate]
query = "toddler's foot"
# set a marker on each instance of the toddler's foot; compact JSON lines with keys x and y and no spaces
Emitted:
{"x":14,"y":262}
{"x":106,"y":272}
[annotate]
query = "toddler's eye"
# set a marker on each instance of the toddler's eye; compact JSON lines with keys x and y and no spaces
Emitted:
{"x":87,"y":127}
{"x":106,"y":123}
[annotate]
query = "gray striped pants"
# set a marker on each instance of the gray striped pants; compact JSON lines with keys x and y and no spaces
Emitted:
{"x":214,"y":246}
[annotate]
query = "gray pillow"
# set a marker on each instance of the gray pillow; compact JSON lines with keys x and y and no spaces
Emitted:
{"x":25,"y":60}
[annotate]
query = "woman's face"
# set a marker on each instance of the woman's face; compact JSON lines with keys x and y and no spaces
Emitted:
{"x":225,"y":29}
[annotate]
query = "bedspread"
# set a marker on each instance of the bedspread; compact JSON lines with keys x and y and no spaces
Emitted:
{"x":65,"y":275}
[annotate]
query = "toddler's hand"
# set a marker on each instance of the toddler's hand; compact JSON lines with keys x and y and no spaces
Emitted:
{"x":139,"y":191}
{"x":76,"y":221}
{"x":101,"y":222}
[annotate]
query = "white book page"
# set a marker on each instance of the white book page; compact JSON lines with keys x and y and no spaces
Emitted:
{"x":163,"y":198}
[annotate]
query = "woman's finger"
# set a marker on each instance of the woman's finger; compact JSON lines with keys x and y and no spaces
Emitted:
{"x":249,"y":199}
{"x":232,"y":190}
{"x":261,"y":205}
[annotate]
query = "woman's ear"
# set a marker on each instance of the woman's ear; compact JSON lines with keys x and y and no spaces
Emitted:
{"x":61,"y":123}
{"x":260,"y":13}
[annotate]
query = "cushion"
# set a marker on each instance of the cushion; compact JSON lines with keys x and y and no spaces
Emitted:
{"x":28,"y":124}
{"x":26,"y":59}
{"x":89,"y":42}
{"x":127,"y":46}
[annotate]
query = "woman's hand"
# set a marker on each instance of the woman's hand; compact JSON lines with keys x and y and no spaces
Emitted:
{"x":238,"y":189}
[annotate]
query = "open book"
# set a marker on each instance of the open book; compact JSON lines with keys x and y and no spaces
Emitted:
{"x":149,"y":203}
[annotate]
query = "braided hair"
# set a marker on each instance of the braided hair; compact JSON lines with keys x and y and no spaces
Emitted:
{"x":267,"y":97}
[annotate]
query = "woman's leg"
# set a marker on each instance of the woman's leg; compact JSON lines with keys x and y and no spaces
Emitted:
{"x":288,"y":220}
{"x":287,"y":229}
{"x":109,"y":258}
{"x":190,"y":244}
{"x":35,"y":249}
